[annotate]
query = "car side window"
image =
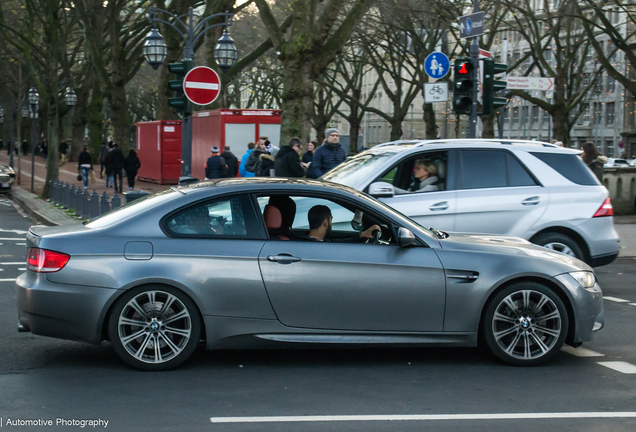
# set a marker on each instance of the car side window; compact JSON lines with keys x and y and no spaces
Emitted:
{"x":518,"y":175}
{"x":341,"y":216}
{"x":224,"y":217}
{"x":402,"y":175}
{"x":480,"y":169}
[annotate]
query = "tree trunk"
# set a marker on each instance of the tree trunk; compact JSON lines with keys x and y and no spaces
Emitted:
{"x":489,"y":125}
{"x":429,"y":119}
{"x":396,"y":129}
{"x":120,"y":117}
{"x":95,"y":125}
{"x":52,"y":162}
{"x":297,"y":100}
{"x":354,"y":130}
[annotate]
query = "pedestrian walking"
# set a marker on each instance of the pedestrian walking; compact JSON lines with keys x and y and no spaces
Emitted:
{"x":231,"y":162}
{"x":103,"y":152}
{"x":329,"y":155}
{"x":44,"y":148}
{"x":287,"y":161}
{"x":215,"y":166}
{"x":63,"y":148}
{"x":254,"y":157}
{"x":242,"y":170}
{"x":108,"y":165}
{"x":25,"y":148}
{"x":8,"y":148}
{"x":116,"y":161}
{"x":1,"y":145}
{"x":131,"y":165}
{"x":594,"y":160}
{"x":84,"y":165}
{"x":308,"y":158}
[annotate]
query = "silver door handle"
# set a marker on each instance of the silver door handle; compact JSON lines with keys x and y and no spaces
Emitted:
{"x":283,"y":258}
{"x":531,"y":201}
{"x":439,"y":206}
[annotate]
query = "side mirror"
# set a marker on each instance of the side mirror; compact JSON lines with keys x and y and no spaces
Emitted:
{"x":356,"y":222}
{"x":381,"y":190}
{"x":406,"y":238}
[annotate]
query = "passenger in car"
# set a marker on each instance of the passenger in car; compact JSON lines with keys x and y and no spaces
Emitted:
{"x":321,"y":223}
{"x":424,"y":177}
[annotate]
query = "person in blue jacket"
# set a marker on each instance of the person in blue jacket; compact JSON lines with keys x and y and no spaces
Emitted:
{"x":242,"y":170}
{"x":329,"y":155}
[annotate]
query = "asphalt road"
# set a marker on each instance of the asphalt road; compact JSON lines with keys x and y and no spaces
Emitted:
{"x":48,"y":379}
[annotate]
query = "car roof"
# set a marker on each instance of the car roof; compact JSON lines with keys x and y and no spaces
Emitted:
{"x":414,"y":145}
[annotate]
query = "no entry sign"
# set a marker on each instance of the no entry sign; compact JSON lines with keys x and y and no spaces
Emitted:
{"x":202,"y":85}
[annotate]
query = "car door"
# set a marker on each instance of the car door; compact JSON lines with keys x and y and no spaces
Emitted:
{"x":431,"y":209}
{"x":496,"y":194}
{"x":353,"y":286}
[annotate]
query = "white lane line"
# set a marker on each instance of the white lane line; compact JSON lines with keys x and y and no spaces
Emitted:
{"x":24,"y":268}
{"x":423,"y":417}
{"x":615,"y":299}
{"x":14,"y":239}
{"x":581,"y":352}
{"x":20,"y":244}
{"x":12,"y":263}
{"x":632,"y":304}
{"x":8,"y":280}
{"x":619,"y":366}
{"x":13,"y":231}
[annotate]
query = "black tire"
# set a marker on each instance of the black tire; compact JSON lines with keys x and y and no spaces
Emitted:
{"x":146,"y":311}
{"x":560,"y":243}
{"x":520,"y":335}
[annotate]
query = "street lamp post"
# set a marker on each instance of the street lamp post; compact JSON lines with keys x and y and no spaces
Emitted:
{"x":34,"y":99}
{"x":155,"y":52}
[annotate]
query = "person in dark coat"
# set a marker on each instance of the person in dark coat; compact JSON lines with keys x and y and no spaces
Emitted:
{"x":103,"y":152}
{"x":215,"y":166}
{"x":63,"y":149}
{"x":231,"y":162}
{"x":44,"y":148}
{"x":287,"y":160}
{"x":265,"y":165}
{"x":25,"y":148}
{"x":254,"y":157}
{"x":308,"y":158}
{"x":329,"y":155}
{"x":131,"y":165}
{"x":115,"y":160}
{"x":594,"y":160}
{"x":84,"y":165}
{"x":107,"y":164}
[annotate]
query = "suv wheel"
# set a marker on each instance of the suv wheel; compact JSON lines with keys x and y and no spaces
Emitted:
{"x":560,"y":243}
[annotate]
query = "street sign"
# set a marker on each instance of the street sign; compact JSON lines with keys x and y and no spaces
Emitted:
{"x":436,"y":65}
{"x":621,"y":145}
{"x":529,"y":83}
{"x":202,"y":85}
{"x":484,"y":54}
{"x":471,"y":25}
{"x":436,"y":92}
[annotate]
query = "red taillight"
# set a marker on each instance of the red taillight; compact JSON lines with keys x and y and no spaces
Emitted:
{"x":605,"y":210}
{"x":46,"y":261}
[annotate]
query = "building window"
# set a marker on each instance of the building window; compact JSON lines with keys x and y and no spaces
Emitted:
{"x":515,"y":115}
{"x":547,"y":54}
{"x":535,"y":115}
{"x":611,"y":84}
{"x":585,"y":117}
{"x":525,"y":116}
{"x":598,"y":113}
{"x":610,"y":148}
{"x":609,"y":113}
{"x":506,"y":115}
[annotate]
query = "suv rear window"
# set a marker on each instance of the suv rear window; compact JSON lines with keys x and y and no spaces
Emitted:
{"x":569,"y":166}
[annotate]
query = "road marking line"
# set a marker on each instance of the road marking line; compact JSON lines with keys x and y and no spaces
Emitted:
{"x":20,"y":244}
{"x":581,"y":352}
{"x":8,"y":280}
{"x":632,"y":304}
{"x":426,"y":417}
{"x":623,"y":367}
{"x":14,"y":239}
{"x":24,"y":268}
{"x":12,"y":263}
{"x":614,"y":299}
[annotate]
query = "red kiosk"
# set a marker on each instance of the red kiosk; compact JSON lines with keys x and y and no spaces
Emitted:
{"x":159,"y":150}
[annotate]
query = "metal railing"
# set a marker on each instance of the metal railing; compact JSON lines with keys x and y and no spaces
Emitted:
{"x":82,"y":203}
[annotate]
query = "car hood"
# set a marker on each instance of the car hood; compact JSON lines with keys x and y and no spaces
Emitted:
{"x":497,"y":244}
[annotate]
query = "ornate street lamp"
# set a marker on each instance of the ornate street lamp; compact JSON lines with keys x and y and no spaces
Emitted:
{"x":70,"y":97}
{"x":225,"y":52}
{"x":34,"y":99}
{"x":25,"y":112}
{"x":155,"y":49}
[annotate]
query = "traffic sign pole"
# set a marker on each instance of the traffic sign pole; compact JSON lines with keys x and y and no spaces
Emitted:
{"x":474,"y":59}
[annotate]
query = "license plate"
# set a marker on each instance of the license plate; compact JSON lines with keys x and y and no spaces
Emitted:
{"x":5,"y":184}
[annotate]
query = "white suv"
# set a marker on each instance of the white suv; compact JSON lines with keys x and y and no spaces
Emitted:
{"x":537,"y":191}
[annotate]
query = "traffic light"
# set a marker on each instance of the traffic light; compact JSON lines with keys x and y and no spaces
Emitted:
{"x":179,"y":102}
{"x":493,"y":86}
{"x":463,"y":83}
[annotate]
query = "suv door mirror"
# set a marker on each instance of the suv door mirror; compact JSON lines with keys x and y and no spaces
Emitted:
{"x":381,"y":190}
{"x":406,"y":238}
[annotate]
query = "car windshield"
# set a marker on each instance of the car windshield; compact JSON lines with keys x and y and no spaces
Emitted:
{"x":138,"y":206}
{"x":356,"y":169}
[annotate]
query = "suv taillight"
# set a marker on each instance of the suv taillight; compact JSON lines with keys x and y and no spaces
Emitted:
{"x":605,"y":210}
{"x":46,"y":261}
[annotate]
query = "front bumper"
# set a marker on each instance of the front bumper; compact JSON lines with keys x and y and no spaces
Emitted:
{"x":64,"y":311}
{"x":587,"y":307}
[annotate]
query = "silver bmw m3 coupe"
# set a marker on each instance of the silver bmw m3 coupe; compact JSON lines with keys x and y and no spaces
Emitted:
{"x":264,"y":262}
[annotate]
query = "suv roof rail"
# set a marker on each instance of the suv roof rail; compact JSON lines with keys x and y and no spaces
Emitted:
{"x":486,"y":140}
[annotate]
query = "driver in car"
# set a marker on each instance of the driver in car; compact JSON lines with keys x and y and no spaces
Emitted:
{"x":321,"y":223}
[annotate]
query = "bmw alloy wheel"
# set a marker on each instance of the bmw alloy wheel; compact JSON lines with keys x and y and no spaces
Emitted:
{"x":526,"y":325}
{"x":155,"y":329}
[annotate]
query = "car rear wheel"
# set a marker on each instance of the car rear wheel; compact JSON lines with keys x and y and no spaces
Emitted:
{"x":560,"y":243}
{"x":154,"y":327}
{"x":525,"y":324}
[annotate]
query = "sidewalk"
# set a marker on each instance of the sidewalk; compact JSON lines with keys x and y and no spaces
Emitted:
{"x":49,"y":214}
{"x":46,"y":212}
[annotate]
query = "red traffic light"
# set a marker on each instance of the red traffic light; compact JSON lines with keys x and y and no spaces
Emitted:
{"x":462,"y":70}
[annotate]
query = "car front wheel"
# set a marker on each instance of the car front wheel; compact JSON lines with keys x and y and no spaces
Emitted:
{"x":525,"y":324}
{"x":154,"y":328}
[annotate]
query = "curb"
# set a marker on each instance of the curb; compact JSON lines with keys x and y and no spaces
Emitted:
{"x":31,"y":204}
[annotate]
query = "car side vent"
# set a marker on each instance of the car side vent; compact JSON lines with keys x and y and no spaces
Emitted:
{"x":462,"y":276}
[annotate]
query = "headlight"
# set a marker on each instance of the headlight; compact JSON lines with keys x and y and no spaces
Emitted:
{"x":584,"y":278}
